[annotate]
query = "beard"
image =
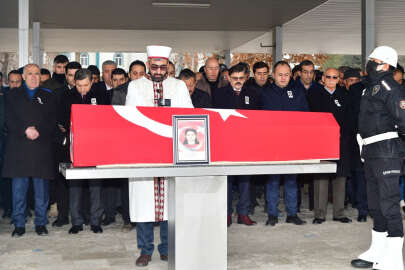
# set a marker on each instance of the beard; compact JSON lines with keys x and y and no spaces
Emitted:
{"x":158,"y":77}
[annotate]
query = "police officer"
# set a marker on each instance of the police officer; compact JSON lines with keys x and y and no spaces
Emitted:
{"x":381,"y":121}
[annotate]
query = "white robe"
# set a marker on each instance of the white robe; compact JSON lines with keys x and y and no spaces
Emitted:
{"x":141,"y":191}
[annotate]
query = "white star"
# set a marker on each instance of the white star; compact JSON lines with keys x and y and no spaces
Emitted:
{"x":226,"y":113}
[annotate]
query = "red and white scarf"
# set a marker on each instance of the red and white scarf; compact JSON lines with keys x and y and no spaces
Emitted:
{"x":159,"y":182}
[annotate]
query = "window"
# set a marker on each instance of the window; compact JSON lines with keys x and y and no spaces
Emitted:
{"x":119,"y":59}
{"x":84,"y":59}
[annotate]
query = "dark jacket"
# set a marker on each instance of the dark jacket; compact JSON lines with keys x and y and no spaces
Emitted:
{"x":251,"y":84}
{"x":227,"y":98}
{"x":210,"y":87}
{"x":314,"y":85}
{"x":119,"y":94}
{"x":102,"y":89}
{"x":289,"y":98}
{"x":93,"y":97}
{"x":355,"y":92}
{"x":338,"y":103}
{"x":57,"y":81}
{"x":25,"y":157}
{"x":382,"y":109}
{"x":201,"y":99}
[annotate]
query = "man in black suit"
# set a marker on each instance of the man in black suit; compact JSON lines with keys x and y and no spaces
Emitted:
{"x":83,"y":93}
{"x":60,"y":187}
{"x":199,"y":98}
{"x":31,"y":124}
{"x":236,"y":96}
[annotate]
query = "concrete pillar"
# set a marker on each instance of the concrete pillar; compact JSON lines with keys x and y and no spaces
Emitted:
{"x":36,"y":47}
{"x":23,"y":32}
{"x":278,"y":44}
{"x":228,"y":57}
{"x":368,"y":40}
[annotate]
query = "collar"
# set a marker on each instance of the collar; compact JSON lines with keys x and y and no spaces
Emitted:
{"x":330,"y":91}
{"x":107,"y":86}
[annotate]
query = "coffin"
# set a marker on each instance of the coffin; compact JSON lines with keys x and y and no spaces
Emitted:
{"x":109,"y":135}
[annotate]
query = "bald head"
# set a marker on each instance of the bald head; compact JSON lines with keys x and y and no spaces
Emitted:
{"x":212,"y":69}
{"x":330,"y":78}
{"x":32,"y":76}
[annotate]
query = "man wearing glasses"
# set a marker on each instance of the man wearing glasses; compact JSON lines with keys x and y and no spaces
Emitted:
{"x":148,"y":199}
{"x":333,"y":99}
{"x":236,"y":96}
{"x":211,"y":78}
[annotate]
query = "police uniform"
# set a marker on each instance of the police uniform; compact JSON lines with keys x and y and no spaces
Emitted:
{"x":382,"y":111}
{"x":381,"y":122}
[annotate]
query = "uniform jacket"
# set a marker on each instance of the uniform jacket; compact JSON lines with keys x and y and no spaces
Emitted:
{"x":25,"y":157}
{"x":338,"y":103}
{"x":141,"y":190}
{"x":382,"y":109}
{"x":226,"y":98}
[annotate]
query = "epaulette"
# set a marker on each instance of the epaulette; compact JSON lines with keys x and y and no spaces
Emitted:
{"x":386,"y":85}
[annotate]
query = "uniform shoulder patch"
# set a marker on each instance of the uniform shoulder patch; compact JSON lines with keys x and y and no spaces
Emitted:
{"x":402,"y":104}
{"x":375,"y":90}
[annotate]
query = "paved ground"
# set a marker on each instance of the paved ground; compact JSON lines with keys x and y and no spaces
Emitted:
{"x":328,"y":246}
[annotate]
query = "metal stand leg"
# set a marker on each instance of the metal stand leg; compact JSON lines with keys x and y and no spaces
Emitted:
{"x":197,"y":223}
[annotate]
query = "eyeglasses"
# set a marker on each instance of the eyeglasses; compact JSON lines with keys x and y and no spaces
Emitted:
{"x":331,"y":77}
{"x":156,"y":67}
{"x":237,"y":78}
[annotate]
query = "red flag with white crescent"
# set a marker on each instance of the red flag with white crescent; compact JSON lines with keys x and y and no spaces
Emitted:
{"x":106,"y":135}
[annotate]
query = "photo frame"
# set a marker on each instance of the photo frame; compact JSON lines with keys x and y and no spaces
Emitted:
{"x":191,"y":139}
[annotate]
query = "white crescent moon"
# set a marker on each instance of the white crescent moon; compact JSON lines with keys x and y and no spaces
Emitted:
{"x":133,"y":115}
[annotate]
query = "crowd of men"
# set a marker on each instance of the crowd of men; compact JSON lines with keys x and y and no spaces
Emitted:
{"x":35,"y":114}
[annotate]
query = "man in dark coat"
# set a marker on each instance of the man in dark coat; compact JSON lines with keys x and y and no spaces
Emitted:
{"x":60,"y":187}
{"x":31,"y":124}
{"x":234,"y":96}
{"x":199,"y":98}
{"x":83,"y":93}
{"x":112,"y":187}
{"x":283,"y":96}
{"x":211,"y":78}
{"x":335,"y":100}
{"x":357,"y":181}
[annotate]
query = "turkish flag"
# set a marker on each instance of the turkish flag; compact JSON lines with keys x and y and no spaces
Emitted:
{"x":106,"y":135}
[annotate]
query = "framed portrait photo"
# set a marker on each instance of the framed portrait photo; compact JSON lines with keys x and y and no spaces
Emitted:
{"x":191,"y":139}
